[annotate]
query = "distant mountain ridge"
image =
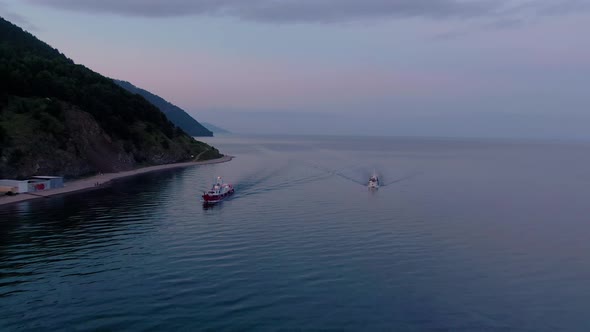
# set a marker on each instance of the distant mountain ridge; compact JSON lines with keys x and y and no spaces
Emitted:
{"x":61,"y":118}
{"x":215,"y":129}
{"x":174,"y":113}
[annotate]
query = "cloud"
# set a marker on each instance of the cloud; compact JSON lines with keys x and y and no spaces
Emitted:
{"x":515,"y":14}
{"x":497,"y":24}
{"x":499,"y":14}
{"x":504,"y":23}
{"x":16,"y":18}
{"x":549,"y":7}
{"x":324,"y":11}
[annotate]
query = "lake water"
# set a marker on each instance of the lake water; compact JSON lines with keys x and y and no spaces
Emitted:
{"x":464,"y":236}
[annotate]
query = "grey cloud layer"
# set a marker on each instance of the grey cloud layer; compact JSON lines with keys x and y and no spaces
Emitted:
{"x":16,"y":18}
{"x":286,"y":10}
{"x":324,"y":11}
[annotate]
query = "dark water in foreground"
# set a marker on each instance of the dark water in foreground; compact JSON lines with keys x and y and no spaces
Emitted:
{"x":465,"y":236}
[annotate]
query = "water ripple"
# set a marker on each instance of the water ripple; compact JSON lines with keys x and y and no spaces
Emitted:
{"x":301,"y":247}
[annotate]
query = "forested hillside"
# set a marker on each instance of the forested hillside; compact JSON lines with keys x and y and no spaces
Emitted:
{"x":174,"y":113}
{"x":58,"y":117}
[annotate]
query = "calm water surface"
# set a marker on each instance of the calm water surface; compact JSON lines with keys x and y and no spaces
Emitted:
{"x":464,"y":236}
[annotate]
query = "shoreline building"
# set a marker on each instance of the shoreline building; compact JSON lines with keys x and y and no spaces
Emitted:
{"x":36,"y":183}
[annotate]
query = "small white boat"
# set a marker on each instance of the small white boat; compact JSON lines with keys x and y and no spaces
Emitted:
{"x":373,"y":181}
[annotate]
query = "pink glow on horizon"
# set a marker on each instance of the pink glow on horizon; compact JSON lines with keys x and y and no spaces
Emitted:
{"x":200,"y":80}
{"x":204,"y":80}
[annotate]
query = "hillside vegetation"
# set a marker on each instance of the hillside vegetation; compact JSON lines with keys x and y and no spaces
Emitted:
{"x":215,"y":129}
{"x":58,"y":117}
{"x":174,"y":113}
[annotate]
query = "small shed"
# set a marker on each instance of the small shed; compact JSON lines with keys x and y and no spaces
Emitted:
{"x":38,"y":185}
{"x":54,"y":181}
{"x":21,"y":186}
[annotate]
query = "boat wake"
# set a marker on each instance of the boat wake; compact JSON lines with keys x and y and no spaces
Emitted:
{"x":336,"y":172}
{"x":292,"y":173}
{"x":285,"y":184}
{"x":271,"y":180}
{"x":361,"y":175}
{"x":401,"y":179}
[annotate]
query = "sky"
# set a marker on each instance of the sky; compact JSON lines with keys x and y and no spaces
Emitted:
{"x":450,"y":68}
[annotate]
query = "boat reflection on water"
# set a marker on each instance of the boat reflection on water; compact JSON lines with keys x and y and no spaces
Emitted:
{"x":208,"y":206}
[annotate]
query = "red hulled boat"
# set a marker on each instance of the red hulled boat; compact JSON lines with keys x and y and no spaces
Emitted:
{"x":218,"y":192}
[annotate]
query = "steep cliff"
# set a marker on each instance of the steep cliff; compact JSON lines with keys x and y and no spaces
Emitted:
{"x":57,"y":117}
{"x":215,"y":129}
{"x":174,"y":113}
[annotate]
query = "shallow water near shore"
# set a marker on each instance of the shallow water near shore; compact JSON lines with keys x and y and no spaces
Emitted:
{"x":465,"y":235}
